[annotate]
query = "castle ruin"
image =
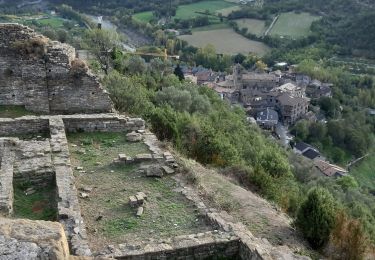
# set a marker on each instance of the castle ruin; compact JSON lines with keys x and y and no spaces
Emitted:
{"x":41,"y":78}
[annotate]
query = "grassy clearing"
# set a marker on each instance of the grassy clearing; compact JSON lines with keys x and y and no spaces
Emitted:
{"x":364,"y":172}
{"x":143,"y":16}
{"x":53,"y":22}
{"x":293,"y":25}
{"x":253,"y":26}
{"x":166,"y":212}
{"x":13,"y":111}
{"x":226,"y":41}
{"x":40,"y":205}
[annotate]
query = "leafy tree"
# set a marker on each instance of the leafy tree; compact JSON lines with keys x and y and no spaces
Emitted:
{"x":101,"y":43}
{"x":316,"y":217}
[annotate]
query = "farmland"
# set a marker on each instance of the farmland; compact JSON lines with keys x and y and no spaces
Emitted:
{"x":293,"y":25}
{"x":193,"y":10}
{"x":226,"y":41}
{"x":253,"y":26}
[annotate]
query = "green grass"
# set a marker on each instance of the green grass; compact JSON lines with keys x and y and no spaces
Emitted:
{"x":192,"y":10}
{"x":166,"y":212}
{"x":253,"y":26}
{"x":210,"y":27}
{"x":13,"y":111}
{"x":293,"y":25}
{"x":38,"y":206}
{"x":53,"y":22}
{"x":143,"y":16}
{"x":364,"y":172}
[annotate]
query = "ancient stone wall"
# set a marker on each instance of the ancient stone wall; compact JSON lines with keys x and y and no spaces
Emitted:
{"x":43,"y":79}
{"x":6,"y":177}
{"x":23,"y":126}
{"x":195,"y":246}
{"x":102,"y":123}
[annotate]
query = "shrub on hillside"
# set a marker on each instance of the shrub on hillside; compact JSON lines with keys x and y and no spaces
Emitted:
{"x":347,"y":240}
{"x":78,"y":67}
{"x":34,"y":47}
{"x":316,"y":217}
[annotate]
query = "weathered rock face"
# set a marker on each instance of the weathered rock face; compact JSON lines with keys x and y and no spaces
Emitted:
{"x":38,"y":74}
{"x":26,"y":239}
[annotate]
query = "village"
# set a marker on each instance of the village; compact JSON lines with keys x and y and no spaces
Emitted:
{"x":274,"y":99}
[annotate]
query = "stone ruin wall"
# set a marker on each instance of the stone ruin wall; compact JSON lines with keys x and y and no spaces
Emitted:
{"x":46,"y":83}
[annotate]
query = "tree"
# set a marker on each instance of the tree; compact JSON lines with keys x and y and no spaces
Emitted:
{"x":316,"y":217}
{"x":101,"y":43}
{"x":260,"y":65}
{"x":178,"y":72}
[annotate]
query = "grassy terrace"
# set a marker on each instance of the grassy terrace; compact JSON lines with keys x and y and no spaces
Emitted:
{"x":166,"y":212}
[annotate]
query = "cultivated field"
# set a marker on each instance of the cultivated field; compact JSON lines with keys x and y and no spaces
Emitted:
{"x":253,"y":26}
{"x":226,"y":41}
{"x":293,"y":25}
{"x":195,"y":10}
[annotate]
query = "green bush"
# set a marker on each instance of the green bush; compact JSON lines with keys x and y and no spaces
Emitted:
{"x":316,"y":217}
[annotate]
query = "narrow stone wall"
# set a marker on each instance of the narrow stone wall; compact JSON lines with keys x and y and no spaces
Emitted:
{"x":6,"y":177}
{"x":43,"y":79}
{"x":205,"y":245}
{"x":102,"y":123}
{"x":23,"y":126}
{"x":68,"y":206}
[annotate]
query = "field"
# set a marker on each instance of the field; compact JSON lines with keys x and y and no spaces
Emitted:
{"x":193,"y":10}
{"x":293,"y":25}
{"x":143,"y":17}
{"x":190,"y":11}
{"x":166,"y":212}
{"x":226,"y":11}
{"x":226,"y":41}
{"x":364,"y":172}
{"x":253,"y":26}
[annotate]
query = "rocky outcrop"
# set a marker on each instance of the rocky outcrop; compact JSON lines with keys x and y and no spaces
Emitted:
{"x":40,"y":74}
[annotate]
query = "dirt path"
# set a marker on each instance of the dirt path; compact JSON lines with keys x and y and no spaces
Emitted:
{"x":262,"y":218}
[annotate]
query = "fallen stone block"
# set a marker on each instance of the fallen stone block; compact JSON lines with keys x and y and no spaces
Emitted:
{"x":122,"y":157}
{"x":167,"y":170}
{"x":139,"y":211}
{"x":154,"y":171}
{"x":142,"y":194}
{"x":143,"y":157}
{"x":133,"y":202}
{"x":134,"y":137}
{"x":140,"y":199}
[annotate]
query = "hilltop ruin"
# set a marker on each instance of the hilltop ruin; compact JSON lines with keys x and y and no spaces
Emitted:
{"x":40,"y":75}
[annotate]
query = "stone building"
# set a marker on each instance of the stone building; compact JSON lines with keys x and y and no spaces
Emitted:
{"x":291,"y":108}
{"x":44,"y":75}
